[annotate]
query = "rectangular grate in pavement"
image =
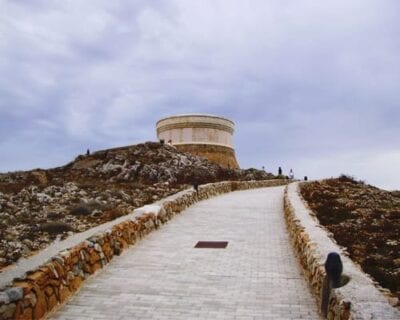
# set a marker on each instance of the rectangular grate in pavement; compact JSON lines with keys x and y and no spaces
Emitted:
{"x":211,"y":244}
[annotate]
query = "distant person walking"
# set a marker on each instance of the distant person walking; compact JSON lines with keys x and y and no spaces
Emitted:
{"x":279,"y":171}
{"x":291,"y":174}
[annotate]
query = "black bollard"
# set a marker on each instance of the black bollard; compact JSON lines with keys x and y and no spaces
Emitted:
{"x":334,"y":269}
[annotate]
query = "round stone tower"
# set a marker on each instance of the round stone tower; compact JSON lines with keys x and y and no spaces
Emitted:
{"x":207,"y":136}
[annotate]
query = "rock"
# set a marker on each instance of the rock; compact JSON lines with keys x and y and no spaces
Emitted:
{"x":119,"y":179}
{"x":4,"y":298}
{"x":97,"y":247}
{"x":96,"y":213}
{"x":42,"y":197}
{"x":8,"y":310}
{"x":31,"y":297}
{"x":81,"y":228}
{"x":15,"y":294}
{"x":27,"y":242}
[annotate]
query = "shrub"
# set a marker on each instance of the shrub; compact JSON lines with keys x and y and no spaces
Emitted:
{"x":81,"y":210}
{"x":86,"y":208}
{"x":347,"y":178}
{"x":350,"y":179}
{"x":55,"y":227}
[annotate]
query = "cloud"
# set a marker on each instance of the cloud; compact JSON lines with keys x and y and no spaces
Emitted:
{"x":298,"y":78}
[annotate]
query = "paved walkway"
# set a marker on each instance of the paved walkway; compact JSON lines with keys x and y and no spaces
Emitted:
{"x":164,"y":277}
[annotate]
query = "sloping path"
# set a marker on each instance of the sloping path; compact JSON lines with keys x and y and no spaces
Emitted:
{"x":164,"y":277}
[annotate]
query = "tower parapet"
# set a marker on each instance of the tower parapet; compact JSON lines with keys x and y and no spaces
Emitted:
{"x":204,"y":135}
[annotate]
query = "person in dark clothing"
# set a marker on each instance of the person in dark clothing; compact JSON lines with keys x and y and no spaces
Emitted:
{"x":279,"y":171}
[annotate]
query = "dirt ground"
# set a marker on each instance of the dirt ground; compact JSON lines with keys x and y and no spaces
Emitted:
{"x":365,"y":220}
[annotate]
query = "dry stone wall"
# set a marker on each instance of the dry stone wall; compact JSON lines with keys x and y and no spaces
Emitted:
{"x":359,"y":298}
{"x":40,"y":290}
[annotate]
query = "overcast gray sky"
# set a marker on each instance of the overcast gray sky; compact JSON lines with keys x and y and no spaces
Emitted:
{"x":311,"y":85}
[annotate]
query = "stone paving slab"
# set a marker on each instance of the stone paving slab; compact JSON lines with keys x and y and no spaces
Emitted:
{"x":164,"y":277}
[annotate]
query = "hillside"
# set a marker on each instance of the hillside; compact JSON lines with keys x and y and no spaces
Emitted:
{"x":365,"y":220}
{"x":39,"y":206}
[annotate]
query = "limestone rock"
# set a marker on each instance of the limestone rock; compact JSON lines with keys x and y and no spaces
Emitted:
{"x":40,"y":206}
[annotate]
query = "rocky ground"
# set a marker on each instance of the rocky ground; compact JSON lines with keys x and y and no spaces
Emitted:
{"x":365,"y":220}
{"x":39,"y":206}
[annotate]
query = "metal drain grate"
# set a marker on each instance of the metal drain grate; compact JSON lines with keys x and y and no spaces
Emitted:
{"x":211,"y":244}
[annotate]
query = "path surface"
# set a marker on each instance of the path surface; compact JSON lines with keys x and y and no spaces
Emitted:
{"x":164,"y":277}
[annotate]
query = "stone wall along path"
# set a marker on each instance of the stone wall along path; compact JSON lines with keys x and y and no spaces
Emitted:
{"x":165,"y":277}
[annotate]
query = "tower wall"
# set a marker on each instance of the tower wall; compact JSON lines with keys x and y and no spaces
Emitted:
{"x":203,"y":135}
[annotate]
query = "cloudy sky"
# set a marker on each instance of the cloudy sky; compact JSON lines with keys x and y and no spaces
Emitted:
{"x":311,"y":85}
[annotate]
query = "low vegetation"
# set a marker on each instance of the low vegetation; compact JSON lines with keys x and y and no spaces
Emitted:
{"x":363,"y":219}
